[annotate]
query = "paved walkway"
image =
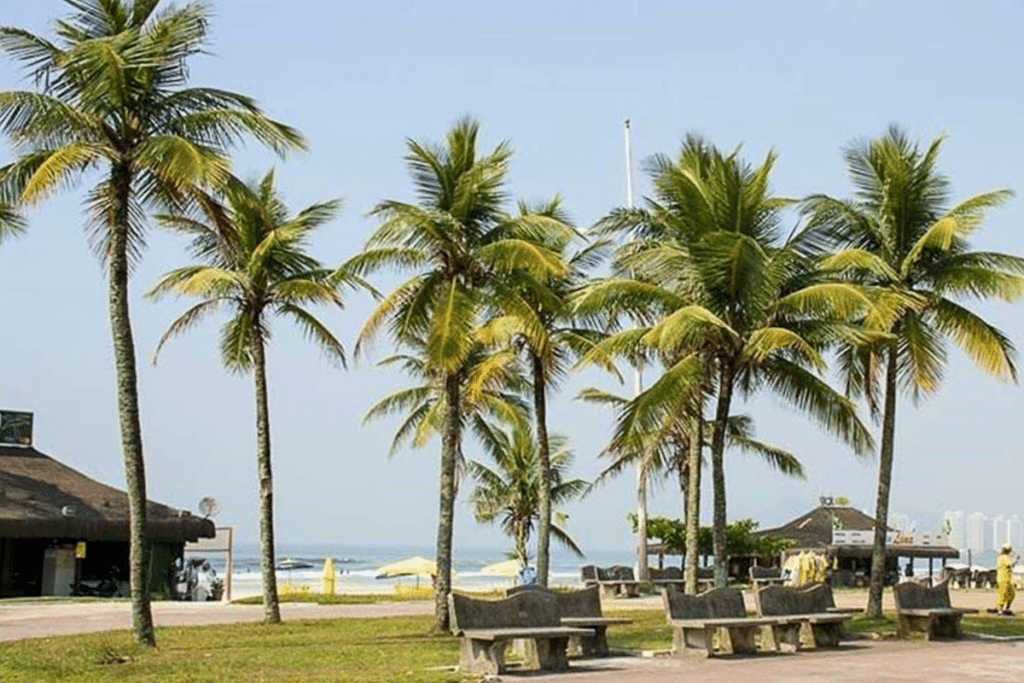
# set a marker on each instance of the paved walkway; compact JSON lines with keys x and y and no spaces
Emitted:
{"x":860,"y":662}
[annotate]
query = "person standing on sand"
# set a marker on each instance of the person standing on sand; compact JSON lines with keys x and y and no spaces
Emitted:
{"x":1004,"y":578}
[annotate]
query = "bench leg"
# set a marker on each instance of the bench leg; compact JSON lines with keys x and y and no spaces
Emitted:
{"x":693,"y":641}
{"x":740,"y":640}
{"x":551,"y":655}
{"x":595,"y":645}
{"x":784,"y":637}
{"x":827,"y":635}
{"x":609,"y":590}
{"x":483,"y":656}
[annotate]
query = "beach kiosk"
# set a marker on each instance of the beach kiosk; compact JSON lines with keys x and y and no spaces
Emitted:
{"x":844,"y":536}
{"x":59,"y":528}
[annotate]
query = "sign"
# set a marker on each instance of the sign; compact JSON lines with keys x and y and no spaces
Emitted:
{"x":851,"y":537}
{"x":80,"y":550}
{"x":15,"y":428}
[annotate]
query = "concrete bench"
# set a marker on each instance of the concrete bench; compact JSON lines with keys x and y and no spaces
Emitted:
{"x":767,"y":576}
{"x":696,"y":620}
{"x":581,"y":609}
{"x":615,"y":581}
{"x":487,"y":627}
{"x":808,"y":617}
{"x":927,"y":610}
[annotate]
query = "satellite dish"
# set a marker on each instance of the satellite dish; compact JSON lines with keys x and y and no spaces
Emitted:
{"x":209,"y":506}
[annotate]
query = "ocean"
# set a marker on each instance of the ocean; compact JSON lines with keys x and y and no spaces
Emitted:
{"x":356,"y":566}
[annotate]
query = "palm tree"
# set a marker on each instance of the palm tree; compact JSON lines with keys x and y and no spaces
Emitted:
{"x":11,"y":223}
{"x":547,"y":335}
{"x":732,"y":298}
{"x":511,"y":490}
{"x":459,"y":243}
{"x":112,"y":96}
{"x":901,"y":236}
{"x":253,"y":263}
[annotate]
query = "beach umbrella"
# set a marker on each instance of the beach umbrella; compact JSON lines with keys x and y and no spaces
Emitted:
{"x":328,"y":577}
{"x":505,"y":568}
{"x":412,"y":566}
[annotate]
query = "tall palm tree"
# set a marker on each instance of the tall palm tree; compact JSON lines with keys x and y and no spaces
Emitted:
{"x":734,"y":299}
{"x":254,"y":264}
{"x":112,"y":95}
{"x":547,"y":336}
{"x":458,"y":242}
{"x":511,"y":489}
{"x":901,"y":235}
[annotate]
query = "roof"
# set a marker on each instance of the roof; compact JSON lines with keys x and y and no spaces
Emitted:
{"x":35,"y":491}
{"x":814,"y":529}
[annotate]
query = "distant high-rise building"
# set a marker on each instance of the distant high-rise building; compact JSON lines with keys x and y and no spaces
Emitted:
{"x":1015,"y":533}
{"x":998,"y":531}
{"x":954,"y":526}
{"x":975,"y":536}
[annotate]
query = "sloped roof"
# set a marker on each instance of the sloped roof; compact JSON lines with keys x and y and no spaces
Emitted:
{"x":35,"y":489}
{"x":814,"y":529}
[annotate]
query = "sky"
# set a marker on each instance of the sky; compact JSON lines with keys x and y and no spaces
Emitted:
{"x":557,"y":79}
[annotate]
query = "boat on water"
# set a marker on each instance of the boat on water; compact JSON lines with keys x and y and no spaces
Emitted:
{"x":289,"y":563}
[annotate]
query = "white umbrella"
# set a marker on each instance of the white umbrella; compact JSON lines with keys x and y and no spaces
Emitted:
{"x":411,"y":566}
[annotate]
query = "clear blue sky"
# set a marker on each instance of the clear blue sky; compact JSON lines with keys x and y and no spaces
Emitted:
{"x":557,"y":79}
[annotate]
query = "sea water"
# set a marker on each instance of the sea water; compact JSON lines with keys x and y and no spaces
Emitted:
{"x":356,"y":566}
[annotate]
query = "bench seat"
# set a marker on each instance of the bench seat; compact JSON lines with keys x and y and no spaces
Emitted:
{"x":524,"y":632}
{"x":807,"y":616}
{"x":580,"y":609}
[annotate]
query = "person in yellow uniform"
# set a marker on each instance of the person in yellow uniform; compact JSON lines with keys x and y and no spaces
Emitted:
{"x":1004,"y":578}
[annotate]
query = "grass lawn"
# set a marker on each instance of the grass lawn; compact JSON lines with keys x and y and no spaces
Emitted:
{"x":345,"y":650}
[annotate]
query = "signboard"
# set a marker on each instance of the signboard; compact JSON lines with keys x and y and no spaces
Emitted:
{"x":850,"y":537}
{"x":15,"y":428}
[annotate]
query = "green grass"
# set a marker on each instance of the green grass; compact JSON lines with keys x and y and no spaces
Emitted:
{"x":350,"y":650}
{"x":649,"y":631}
{"x":351,"y":598}
{"x":989,"y":625}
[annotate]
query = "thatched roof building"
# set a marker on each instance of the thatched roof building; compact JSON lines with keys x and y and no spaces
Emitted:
{"x":844,"y":531}
{"x":43,"y":498}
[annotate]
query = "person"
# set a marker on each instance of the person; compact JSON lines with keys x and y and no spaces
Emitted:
{"x":528,"y":576}
{"x":1004,"y":578}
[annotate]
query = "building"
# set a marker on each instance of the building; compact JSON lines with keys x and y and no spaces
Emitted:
{"x":901,"y":521}
{"x":58,"y":527}
{"x":1014,"y":533}
{"x":998,"y":531}
{"x":845,"y":536}
{"x":954,"y":526}
{"x":976,"y":541}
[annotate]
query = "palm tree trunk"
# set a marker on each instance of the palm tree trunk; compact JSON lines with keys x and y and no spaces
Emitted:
{"x":271,"y":604}
{"x":884,"y":484}
{"x":446,"y":517}
{"x":544,"y":456}
{"x":128,"y":407}
{"x":693,"y":502}
{"x":725,"y":385}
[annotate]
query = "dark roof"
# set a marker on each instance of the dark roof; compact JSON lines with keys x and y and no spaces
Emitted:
{"x":814,"y":529}
{"x":35,"y":489}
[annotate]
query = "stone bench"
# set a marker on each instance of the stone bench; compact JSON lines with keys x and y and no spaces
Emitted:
{"x":488,"y":626}
{"x":768,"y":576}
{"x":697,"y":621}
{"x":615,"y":581}
{"x":808,"y":617}
{"x":581,"y":609}
{"x":673,"y":576}
{"x":927,"y":610}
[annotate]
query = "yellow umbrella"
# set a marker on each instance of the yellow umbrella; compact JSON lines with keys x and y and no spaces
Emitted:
{"x":328,"y":577}
{"x":408,"y":567}
{"x":505,"y":568}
